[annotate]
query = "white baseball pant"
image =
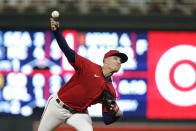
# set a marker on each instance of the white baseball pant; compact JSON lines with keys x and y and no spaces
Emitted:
{"x":54,"y":115}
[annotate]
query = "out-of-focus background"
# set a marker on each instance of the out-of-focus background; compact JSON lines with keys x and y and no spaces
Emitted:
{"x":156,"y":88}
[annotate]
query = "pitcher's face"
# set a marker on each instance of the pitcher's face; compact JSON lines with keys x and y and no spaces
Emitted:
{"x":114,"y":63}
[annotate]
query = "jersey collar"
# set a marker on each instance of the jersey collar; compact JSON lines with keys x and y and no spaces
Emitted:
{"x":107,"y":80}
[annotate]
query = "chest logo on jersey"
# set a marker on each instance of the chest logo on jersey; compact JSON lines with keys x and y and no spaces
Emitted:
{"x":95,"y":75}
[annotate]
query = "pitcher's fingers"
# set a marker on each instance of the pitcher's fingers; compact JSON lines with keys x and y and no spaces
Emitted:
{"x":58,"y":24}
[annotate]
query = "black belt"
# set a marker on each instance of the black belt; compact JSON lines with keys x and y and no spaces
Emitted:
{"x":69,"y":108}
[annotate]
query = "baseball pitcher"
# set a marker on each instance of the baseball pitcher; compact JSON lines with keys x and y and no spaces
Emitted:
{"x":90,"y":84}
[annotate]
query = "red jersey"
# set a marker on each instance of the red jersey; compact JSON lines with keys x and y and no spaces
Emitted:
{"x":85,"y":86}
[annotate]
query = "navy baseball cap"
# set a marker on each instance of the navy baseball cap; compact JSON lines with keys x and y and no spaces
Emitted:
{"x":123,"y":56}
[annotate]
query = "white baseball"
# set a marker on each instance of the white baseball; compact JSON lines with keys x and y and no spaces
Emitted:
{"x":55,"y":14}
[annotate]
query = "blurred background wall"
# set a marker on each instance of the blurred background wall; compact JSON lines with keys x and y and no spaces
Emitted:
{"x":117,"y":15}
{"x":124,"y":14}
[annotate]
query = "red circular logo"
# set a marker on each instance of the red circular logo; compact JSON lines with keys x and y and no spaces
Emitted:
{"x":172,"y":78}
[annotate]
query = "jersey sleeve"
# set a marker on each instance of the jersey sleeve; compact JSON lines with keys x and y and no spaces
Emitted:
{"x":81,"y":63}
{"x":77,"y":61}
{"x":68,"y":52}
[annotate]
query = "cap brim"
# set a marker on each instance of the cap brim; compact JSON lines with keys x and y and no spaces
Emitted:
{"x":123,"y":57}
